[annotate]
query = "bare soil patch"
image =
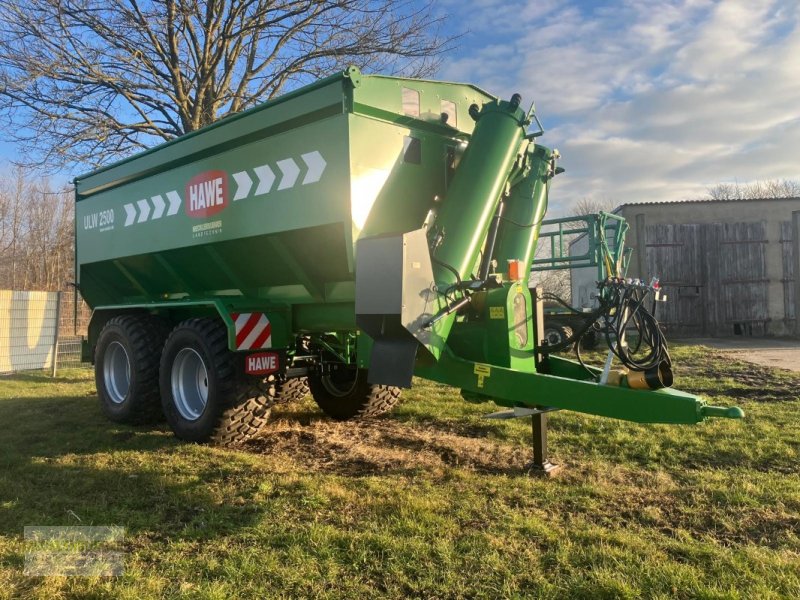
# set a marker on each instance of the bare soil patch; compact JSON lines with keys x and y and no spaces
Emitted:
{"x":383,"y":446}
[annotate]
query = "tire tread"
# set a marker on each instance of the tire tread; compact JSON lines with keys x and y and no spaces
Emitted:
{"x":366,"y":401}
{"x":245,"y":400}
{"x":146,"y":335}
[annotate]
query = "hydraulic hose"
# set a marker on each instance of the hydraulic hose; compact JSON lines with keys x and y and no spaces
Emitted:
{"x":623,"y":306}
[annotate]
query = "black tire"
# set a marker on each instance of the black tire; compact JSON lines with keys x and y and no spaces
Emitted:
{"x":556,"y":332}
{"x":290,"y":390}
{"x":126,"y":363}
{"x":235,"y":408}
{"x":589,"y":340}
{"x":348,"y":395}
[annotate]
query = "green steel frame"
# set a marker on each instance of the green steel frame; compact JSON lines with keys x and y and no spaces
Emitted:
{"x":261,"y":212}
{"x":596,"y":227}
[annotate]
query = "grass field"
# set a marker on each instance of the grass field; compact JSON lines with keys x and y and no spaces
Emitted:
{"x":430,"y":502}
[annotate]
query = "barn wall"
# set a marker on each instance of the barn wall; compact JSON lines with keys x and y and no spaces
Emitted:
{"x":730,"y":263}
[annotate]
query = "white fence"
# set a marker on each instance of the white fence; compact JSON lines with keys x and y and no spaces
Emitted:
{"x":29,"y":325}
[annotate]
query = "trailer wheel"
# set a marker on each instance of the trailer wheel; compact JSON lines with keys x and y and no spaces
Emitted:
{"x":556,"y":332}
{"x":288,"y":391}
{"x":204,"y":393}
{"x":346,"y":394}
{"x":589,"y":340}
{"x":126,"y":368}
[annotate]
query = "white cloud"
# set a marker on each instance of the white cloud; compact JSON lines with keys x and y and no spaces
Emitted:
{"x":653,"y":100}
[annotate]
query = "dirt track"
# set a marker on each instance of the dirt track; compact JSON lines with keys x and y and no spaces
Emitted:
{"x":778,"y":353}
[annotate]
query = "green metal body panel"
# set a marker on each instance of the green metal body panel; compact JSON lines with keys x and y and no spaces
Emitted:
{"x":509,"y":387}
{"x":259,"y":214}
{"x":503,"y":332}
{"x":273,"y":243}
{"x":178,"y":310}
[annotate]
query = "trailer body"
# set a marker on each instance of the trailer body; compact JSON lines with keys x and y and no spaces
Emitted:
{"x":357,"y":227}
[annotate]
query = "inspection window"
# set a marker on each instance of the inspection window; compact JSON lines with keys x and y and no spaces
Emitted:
{"x":410,"y":102}
{"x":449,"y":115}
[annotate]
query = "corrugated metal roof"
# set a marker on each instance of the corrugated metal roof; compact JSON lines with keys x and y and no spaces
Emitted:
{"x":702,"y":201}
{"x":617,"y":210}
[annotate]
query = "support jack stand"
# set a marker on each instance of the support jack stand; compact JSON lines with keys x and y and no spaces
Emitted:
{"x":541,"y":465}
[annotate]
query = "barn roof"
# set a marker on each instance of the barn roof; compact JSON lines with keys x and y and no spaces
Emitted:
{"x":703,"y":201}
{"x":619,"y":208}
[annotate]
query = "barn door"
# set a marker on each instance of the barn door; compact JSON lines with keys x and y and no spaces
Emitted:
{"x":673,"y":255}
{"x":736,"y":265}
{"x":787,"y":255}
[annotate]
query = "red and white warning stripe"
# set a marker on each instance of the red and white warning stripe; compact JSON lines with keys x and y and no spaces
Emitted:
{"x":253,"y":331}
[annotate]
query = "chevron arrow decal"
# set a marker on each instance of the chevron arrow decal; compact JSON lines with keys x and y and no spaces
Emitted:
{"x":243,"y":185}
{"x":316,"y":165}
{"x":266,"y":177}
{"x":158,"y":207}
{"x":130,"y":214}
{"x":290,"y":171}
{"x":144,"y":210}
{"x":174,"y":203}
{"x":141,"y":210}
{"x":250,"y":183}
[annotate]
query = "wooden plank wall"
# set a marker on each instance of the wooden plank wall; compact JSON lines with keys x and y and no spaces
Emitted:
{"x":673,"y":255}
{"x":714,"y":275}
{"x":743,"y":278}
{"x":787,"y":256}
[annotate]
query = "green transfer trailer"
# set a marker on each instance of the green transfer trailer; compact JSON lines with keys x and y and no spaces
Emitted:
{"x":339,"y":239}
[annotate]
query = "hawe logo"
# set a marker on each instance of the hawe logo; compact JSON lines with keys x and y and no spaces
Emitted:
{"x":262,"y":363}
{"x":206,"y":194}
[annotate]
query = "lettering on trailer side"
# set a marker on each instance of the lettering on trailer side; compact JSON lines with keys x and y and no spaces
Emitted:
{"x":206,"y":194}
{"x":262,"y":363}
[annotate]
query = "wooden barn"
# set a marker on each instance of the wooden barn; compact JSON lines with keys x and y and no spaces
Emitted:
{"x":729,"y":267}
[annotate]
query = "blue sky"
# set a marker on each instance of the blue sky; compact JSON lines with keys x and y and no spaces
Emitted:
{"x":646,"y":100}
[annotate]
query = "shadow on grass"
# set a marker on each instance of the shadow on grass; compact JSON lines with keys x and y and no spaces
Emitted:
{"x":63,"y":463}
{"x":42,"y":377}
{"x":147,"y":501}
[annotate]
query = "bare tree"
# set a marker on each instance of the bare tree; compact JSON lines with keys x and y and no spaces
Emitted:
{"x":90,"y":80}
{"x":36,"y":234}
{"x":773,"y":188}
{"x":590,"y":206}
{"x":558,"y":281}
{"x":13,"y":227}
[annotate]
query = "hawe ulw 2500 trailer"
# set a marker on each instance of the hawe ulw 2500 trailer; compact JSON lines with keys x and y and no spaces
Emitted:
{"x":341,"y":238}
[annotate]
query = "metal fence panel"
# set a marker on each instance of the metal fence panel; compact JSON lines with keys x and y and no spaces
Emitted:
{"x":28,"y":329}
{"x":74,"y":324}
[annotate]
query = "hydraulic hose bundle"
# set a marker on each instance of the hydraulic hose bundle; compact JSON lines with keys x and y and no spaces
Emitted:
{"x":627,"y":309}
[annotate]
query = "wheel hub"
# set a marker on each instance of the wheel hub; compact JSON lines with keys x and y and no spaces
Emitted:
{"x":340,"y":382}
{"x":117,"y":372}
{"x":553,"y":337}
{"x":189,"y":381}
